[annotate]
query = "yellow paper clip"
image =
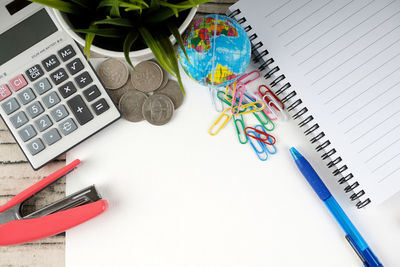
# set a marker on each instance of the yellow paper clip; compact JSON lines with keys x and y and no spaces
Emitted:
{"x":250,"y":108}
{"x":227,"y":96}
{"x":222,"y":120}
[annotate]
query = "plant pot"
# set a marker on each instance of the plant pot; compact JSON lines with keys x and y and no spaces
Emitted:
{"x":138,"y":55}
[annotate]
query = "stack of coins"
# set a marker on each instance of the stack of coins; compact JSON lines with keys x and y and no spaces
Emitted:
{"x":143,"y":93}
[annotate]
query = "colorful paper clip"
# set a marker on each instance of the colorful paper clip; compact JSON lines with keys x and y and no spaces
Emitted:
{"x":268,"y":139}
{"x":214,"y":99}
{"x":275,"y":109}
{"x":271,"y":152}
{"x":240,"y":126}
{"x":264,"y":120}
{"x":222,"y":120}
{"x":267,"y":95}
{"x":250,"y":108}
{"x":247,"y":79}
{"x":238,"y":93}
{"x":259,"y":149}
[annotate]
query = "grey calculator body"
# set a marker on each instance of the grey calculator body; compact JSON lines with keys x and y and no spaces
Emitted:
{"x":50,"y":97}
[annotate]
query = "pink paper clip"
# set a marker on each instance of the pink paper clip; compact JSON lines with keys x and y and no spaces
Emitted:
{"x":245,"y":78}
{"x":238,"y":91}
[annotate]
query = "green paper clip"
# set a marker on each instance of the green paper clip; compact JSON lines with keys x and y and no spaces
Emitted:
{"x":264,"y":121}
{"x":240,"y":129}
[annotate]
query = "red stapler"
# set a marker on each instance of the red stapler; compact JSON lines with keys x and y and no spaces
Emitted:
{"x":53,"y":219}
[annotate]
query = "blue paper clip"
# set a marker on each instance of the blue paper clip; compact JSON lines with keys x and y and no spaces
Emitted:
{"x":259,"y":149}
{"x":266,"y":146}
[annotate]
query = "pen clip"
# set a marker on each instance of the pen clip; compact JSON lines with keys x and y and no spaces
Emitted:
{"x":356,"y":249}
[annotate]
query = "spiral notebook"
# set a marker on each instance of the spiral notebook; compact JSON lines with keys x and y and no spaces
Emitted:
{"x":336,"y":65}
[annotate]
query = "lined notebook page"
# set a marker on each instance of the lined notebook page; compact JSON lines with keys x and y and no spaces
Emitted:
{"x":342,"y":57}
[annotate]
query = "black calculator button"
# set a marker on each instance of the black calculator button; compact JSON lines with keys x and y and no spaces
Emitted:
{"x":35,"y":72}
{"x":80,"y":110}
{"x":67,"y":89}
{"x":75,"y":66}
{"x":67,"y":53}
{"x":91,"y":93}
{"x":100,"y":106}
{"x":83,"y":79}
{"x":59,"y":76}
{"x":50,"y":63}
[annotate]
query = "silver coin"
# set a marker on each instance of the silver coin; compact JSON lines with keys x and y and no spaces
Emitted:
{"x":116,"y":94}
{"x":165,"y":76}
{"x":131,"y":105}
{"x":173,"y":91}
{"x":147,"y":76}
{"x":113,"y":73}
{"x":158,"y":109}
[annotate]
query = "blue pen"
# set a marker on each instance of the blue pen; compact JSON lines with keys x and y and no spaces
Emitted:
{"x":352,"y":235}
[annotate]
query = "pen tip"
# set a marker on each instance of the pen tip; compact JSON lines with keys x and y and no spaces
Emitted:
{"x":295,"y":154}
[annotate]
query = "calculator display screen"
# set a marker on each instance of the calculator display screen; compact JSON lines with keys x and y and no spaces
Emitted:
{"x":25,"y":35}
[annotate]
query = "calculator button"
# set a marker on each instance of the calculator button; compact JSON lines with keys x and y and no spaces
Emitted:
{"x":51,"y":99}
{"x":50,"y":63}
{"x":35,"y":110}
{"x":26,"y":96}
{"x":27,"y":133}
{"x":18,"y":82}
{"x":43,"y":123}
{"x":35,"y":146}
{"x":100,"y":106}
{"x":66,"y":53}
{"x":34,"y":73}
{"x":67,"y":127}
{"x":42,"y":86}
{"x":19,"y":119}
{"x":59,"y":113}
{"x":59,"y":76}
{"x":75,"y":66}
{"x":83,"y":79}
{"x":67,"y":89}
{"x":80,"y":110}
{"x":10,"y":106}
{"x":91,"y":93}
{"x":51,"y":136}
{"x":4,"y":91}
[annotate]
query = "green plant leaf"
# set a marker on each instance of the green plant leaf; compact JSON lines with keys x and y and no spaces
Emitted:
{"x":106,"y":32}
{"x":154,"y":45}
{"x":118,"y":3}
{"x":159,"y":15}
{"x":67,"y":7}
{"x":164,"y":52}
{"x":170,"y":53}
{"x":129,"y":41}
{"x":81,"y":3}
{"x":88,"y":44}
{"x":116,"y":21}
{"x":175,"y":32}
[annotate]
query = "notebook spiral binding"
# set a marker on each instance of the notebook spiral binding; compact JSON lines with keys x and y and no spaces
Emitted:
{"x":295,"y":105}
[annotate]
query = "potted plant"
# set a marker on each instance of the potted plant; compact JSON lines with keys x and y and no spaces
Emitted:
{"x":128,"y":28}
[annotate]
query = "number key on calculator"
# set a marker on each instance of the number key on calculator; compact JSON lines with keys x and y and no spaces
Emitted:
{"x":50,"y":97}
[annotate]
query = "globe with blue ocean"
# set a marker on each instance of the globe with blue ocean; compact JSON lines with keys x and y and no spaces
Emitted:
{"x":218,"y":50}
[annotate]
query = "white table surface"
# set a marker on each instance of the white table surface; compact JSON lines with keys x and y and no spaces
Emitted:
{"x":179,"y":197}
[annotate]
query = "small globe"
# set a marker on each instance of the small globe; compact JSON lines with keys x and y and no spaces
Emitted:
{"x":218,"y":50}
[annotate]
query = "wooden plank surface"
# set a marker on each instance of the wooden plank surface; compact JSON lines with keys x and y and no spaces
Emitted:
{"x":16,"y":174}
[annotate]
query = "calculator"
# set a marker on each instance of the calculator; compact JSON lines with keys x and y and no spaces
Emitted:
{"x":50,"y":97}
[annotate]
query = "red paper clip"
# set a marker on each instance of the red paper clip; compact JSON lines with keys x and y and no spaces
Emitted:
{"x":268,"y":95}
{"x":265,"y":140}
